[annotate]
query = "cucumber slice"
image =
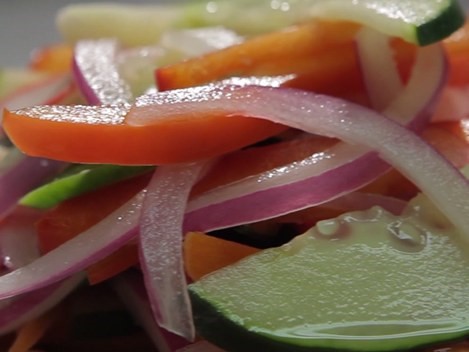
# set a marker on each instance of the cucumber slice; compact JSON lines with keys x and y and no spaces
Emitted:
{"x":77,"y":180}
{"x":366,"y":281}
{"x":418,"y":21}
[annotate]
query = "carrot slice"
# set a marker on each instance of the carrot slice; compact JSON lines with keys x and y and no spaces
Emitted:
{"x":90,"y":134}
{"x":251,"y":161}
{"x":204,"y":254}
{"x":459,"y":128}
{"x":117,"y":262}
{"x":318,"y":47}
{"x":55,"y":58}
{"x":319,"y":56}
{"x":32,"y":332}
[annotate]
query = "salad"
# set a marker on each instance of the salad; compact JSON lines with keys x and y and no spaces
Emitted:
{"x":239,"y":176}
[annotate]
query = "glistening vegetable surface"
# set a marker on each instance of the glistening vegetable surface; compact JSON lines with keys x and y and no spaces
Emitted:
{"x":300,"y":136}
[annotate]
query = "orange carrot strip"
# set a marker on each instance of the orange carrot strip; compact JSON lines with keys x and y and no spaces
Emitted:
{"x":119,"y":261}
{"x":204,"y":254}
{"x":176,"y":139}
{"x":297,"y":49}
{"x":251,"y":161}
{"x":55,"y":58}
{"x":31,"y":333}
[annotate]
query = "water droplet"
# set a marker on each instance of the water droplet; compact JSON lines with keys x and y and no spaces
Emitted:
{"x":407,"y":236}
{"x":331,"y":228}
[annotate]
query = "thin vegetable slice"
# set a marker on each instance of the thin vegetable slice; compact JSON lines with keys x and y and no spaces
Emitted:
{"x":74,"y":216}
{"x":161,"y":246}
{"x":336,"y":118}
{"x":379,"y":68}
{"x":18,"y":310}
{"x":409,"y":107}
{"x":97,"y":74}
{"x":49,"y":90}
{"x":339,"y":119}
{"x":77,"y":254}
{"x":131,"y":290}
{"x":115,"y":136}
{"x":316,"y":48}
{"x":337,"y":170}
{"x":52,"y":89}
{"x":14,"y":184}
{"x":54,"y":58}
{"x":110,"y":138}
{"x":29,"y":334}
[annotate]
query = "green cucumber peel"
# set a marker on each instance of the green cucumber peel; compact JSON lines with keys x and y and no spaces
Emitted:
{"x":420,"y":22}
{"x":76,"y":180}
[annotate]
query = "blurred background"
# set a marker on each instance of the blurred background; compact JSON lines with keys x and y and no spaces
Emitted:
{"x":26,"y":24}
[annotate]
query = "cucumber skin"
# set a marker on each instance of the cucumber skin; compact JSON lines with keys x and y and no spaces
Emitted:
{"x":444,"y":25}
{"x":213,"y":326}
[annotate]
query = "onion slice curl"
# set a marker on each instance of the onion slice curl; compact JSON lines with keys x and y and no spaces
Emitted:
{"x":96,"y":71}
{"x":320,"y":177}
{"x":160,"y":245}
{"x":99,"y":241}
{"x":328,"y":116}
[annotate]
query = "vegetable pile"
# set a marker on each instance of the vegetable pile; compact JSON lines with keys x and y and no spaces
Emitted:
{"x":239,"y":183}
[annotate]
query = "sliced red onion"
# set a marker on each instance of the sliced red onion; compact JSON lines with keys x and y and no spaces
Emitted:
{"x":19,"y":174}
{"x":99,"y":241}
{"x":131,"y":290}
{"x":18,"y":241}
{"x":333,"y":117}
{"x":290,"y":107}
{"x":379,"y":68}
{"x":327,"y":175}
{"x":417,"y":102}
{"x":13,"y":168}
{"x":48,"y":91}
{"x":96,"y":72}
{"x":18,"y":310}
{"x":161,"y":246}
{"x":320,"y":178}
